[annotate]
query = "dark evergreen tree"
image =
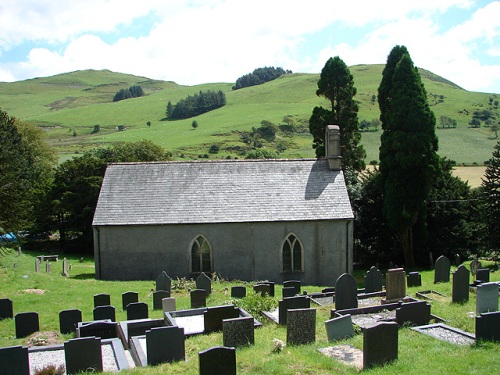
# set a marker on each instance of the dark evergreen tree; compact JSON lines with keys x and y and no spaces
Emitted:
{"x":134,"y":91}
{"x":259,"y":76}
{"x":490,"y":191}
{"x":197,"y":104}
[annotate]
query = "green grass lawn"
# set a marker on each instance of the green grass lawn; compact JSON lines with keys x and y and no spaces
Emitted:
{"x":418,"y":354}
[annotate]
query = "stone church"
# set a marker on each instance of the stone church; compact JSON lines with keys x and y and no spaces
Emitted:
{"x":243,"y":219}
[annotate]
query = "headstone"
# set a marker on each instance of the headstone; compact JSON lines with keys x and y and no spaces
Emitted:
{"x":168,"y":304}
{"x":137,"y":310}
{"x":373,"y":280}
{"x":238,"y":292}
{"x":204,"y":282}
{"x":346,"y":292}
{"x":217,"y":360}
{"x":414,"y":279}
{"x":157,"y":297}
{"x":262,"y":289}
{"x":164,"y":282}
{"x":442,"y":270}
{"x":102,"y":300}
{"x":65,"y":267}
{"x":488,"y":326}
{"x":457,"y":260}
{"x":298,"y":302}
{"x":460,"y":287}
{"x":395,"y":284}
{"x":198,"y":298}
{"x":301,"y":326}
{"x":271,"y":286}
{"x":380,"y":344}
{"x":83,"y":355}
{"x":47,"y":267}
{"x":292,"y":283}
{"x":483,"y":275}
{"x":415,"y":313}
{"x":37,"y":265}
{"x":68,"y":320}
{"x":238,"y":332}
{"x":6,"y":309}
{"x":129,"y":297}
{"x":339,"y":328}
{"x":14,"y":360}
{"x":214,"y":316}
{"x":486,"y":298}
{"x":139,"y":327}
{"x":105,"y":312}
{"x":288,"y":292}
{"x":165,"y":345}
{"x":102,"y":329}
{"x":474,"y":266}
{"x":26,"y":323}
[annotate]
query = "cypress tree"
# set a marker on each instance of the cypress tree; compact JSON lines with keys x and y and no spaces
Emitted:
{"x":490,"y":190}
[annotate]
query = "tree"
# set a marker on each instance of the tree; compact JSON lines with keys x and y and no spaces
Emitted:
{"x":494,"y":129}
{"x":490,"y":191}
{"x":194,"y":124}
{"x":408,"y":149}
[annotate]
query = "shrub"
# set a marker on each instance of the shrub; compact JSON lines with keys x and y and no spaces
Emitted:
{"x":254,"y":304}
{"x":50,"y":370}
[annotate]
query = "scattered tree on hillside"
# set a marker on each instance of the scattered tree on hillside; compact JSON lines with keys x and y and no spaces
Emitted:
{"x":196,"y":104}
{"x":259,"y":76}
{"x":494,"y":129}
{"x":447,"y":122}
{"x":194,"y":124}
{"x":132,"y":92}
{"x":490,"y":189}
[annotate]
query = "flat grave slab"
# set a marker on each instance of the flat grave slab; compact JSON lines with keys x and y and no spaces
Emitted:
{"x":346,"y":354}
{"x":432,"y":295}
{"x":446,"y":333}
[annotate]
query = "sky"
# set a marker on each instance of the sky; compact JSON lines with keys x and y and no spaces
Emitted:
{"x":204,"y":41}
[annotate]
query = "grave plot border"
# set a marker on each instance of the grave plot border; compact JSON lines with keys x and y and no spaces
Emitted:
{"x":136,"y":352}
{"x":124,"y":334}
{"x":424,"y":295}
{"x":423,"y":330}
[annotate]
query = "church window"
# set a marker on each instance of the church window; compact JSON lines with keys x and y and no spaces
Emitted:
{"x":292,"y":253}
{"x":201,"y":255}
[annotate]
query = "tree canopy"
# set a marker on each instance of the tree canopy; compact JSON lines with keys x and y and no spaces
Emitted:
{"x":490,"y":191}
{"x":259,"y":76}
{"x":196,"y":104}
{"x":134,"y":91}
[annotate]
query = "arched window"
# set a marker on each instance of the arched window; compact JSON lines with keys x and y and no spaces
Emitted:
{"x":291,"y":254}
{"x":201,"y":255}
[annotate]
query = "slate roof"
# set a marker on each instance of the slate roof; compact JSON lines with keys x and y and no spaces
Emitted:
{"x":221,"y":192}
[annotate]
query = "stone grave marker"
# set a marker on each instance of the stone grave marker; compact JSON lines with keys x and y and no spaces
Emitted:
{"x":47,"y":267}
{"x":198,"y":298}
{"x":395,"y":284}
{"x":288,"y":292}
{"x":6,"y":309}
{"x":165,"y":345}
{"x":262,"y":289}
{"x":339,"y":328}
{"x":238,"y":292}
{"x":380,"y":344}
{"x":415,"y":313}
{"x":292,"y":283}
{"x":204,"y":282}
{"x":164,"y":282}
{"x":168,"y":304}
{"x":456,"y":259}
{"x":14,"y":360}
{"x":373,"y":280}
{"x":37,"y":265}
{"x":460,"y":287}
{"x":65,"y":267}
{"x":129,"y":297}
{"x":414,"y":279}
{"x":157,"y":298}
{"x":214,"y":316}
{"x":301,"y":326}
{"x":271,"y":286}
{"x":102,"y":300}
{"x":297,"y":302}
{"x":105,"y":312}
{"x":483,"y":275}
{"x":137,"y":310}
{"x":83,"y":355}
{"x":103,"y":329}
{"x":487,"y":298}
{"x":26,"y":323}
{"x":442,"y":270}
{"x":238,"y":332}
{"x":474,"y":266}
{"x":346,"y":292}
{"x":488,"y":326}
{"x":68,"y":320}
{"x":217,"y":360}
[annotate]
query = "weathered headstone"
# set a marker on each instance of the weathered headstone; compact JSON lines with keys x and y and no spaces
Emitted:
{"x":164,"y":282}
{"x":214,"y":316}
{"x":238,"y":332}
{"x":157,"y":297}
{"x":380,"y":344}
{"x":456,"y":259}
{"x":137,"y":310}
{"x":65,"y":267}
{"x":14,"y":360}
{"x":483,"y":275}
{"x":271,"y":286}
{"x":415,"y":313}
{"x":204,"y":282}
{"x":301,"y":326}
{"x":105,"y":312}
{"x":6,"y":309}
{"x":129,"y":297}
{"x":262,"y":289}
{"x":83,"y":355}
{"x":168,"y":304}
{"x":165,"y":345}
{"x":198,"y":298}
{"x":474,"y":266}
{"x":486,"y":298}
{"x":292,"y":283}
{"x":102,"y":300}
{"x":217,"y":360}
{"x":460,"y":287}
{"x":288,"y":292}
{"x":298,"y":302}
{"x":339,"y":328}
{"x":102,"y":329}
{"x":395,"y":284}
{"x":488,"y":326}
{"x":442,"y":270}
{"x":373,"y":280}
{"x":238,"y":292}
{"x":37,"y":265}
{"x":47,"y":267}
{"x":26,"y":323}
{"x":346,"y":292}
{"x":68,"y":320}
{"x":414,"y":279}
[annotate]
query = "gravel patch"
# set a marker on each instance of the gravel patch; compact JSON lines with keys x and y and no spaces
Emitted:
{"x":369,"y":320}
{"x":448,"y":335}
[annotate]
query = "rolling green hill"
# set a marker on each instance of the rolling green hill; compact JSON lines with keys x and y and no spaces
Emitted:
{"x":68,"y":106}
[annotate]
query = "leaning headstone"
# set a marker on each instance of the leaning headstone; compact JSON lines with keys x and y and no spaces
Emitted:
{"x":6,"y":309}
{"x":373,"y":280}
{"x":26,"y":323}
{"x":292,"y":283}
{"x":214,"y":316}
{"x":168,"y":304}
{"x":198,"y":298}
{"x":442,"y":270}
{"x":238,"y":332}
{"x":102,"y":300}
{"x":288,"y":292}
{"x":339,"y":328}
{"x":103,"y":329}
{"x":474,"y":266}
{"x":68,"y":320}
{"x":157,"y":297}
{"x":83,"y":355}
{"x":238,"y":292}
{"x":217,"y":360}
{"x":47,"y":267}
{"x":262,"y":289}
{"x":346,"y":292}
{"x":488,"y":326}
{"x":14,"y":360}
{"x":380,"y":344}
{"x":413,"y":279}
{"x":37,"y":265}
{"x":301,"y":326}
{"x":204,"y":282}
{"x":487,"y":298}
{"x":298,"y":302}
{"x":165,"y":345}
{"x":414,"y":313}
{"x":483,"y":275}
{"x":137,"y":310}
{"x":129,"y":297}
{"x":460,"y":287}
{"x":105,"y":312}
{"x":164,"y":282}
{"x":395,"y":284}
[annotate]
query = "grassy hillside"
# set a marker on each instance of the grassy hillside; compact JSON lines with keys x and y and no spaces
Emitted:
{"x":68,"y":106}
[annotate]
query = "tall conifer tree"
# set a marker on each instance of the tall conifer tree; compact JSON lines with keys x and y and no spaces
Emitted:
{"x":490,"y":189}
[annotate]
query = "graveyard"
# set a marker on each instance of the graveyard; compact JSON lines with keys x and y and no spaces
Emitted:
{"x":419,"y":321}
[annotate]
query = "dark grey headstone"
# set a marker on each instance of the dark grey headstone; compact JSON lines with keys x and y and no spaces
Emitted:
{"x":102,"y":300}
{"x":217,"y":360}
{"x":380,"y":344}
{"x":271,"y":286}
{"x":339,"y":328}
{"x":129,"y":297}
{"x":165,"y":345}
{"x":26,"y":324}
{"x":474,"y":266}
{"x":198,"y":298}
{"x":292,"y":283}
{"x":373,"y":280}
{"x":487,"y":298}
{"x":83,"y":355}
{"x":164,"y":282}
{"x":238,"y":332}
{"x":6,"y":309}
{"x":301,"y":326}
{"x":68,"y":320}
{"x":442,"y":270}
{"x":214,"y":316}
{"x":414,"y":279}
{"x":238,"y":292}
{"x":157,"y":297}
{"x":395,"y":284}
{"x":137,"y":310}
{"x":488,"y":326}
{"x":139,"y":327}
{"x":414,"y":313}
{"x":104,"y":330}
{"x":14,"y":360}
{"x":105,"y":312}
{"x":204,"y":282}
{"x":298,"y":302}
{"x":288,"y":292}
{"x":262,"y":289}
{"x":346,"y":292}
{"x":460,"y":287}
{"x":483,"y":275}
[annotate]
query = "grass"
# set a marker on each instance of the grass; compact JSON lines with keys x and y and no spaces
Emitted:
{"x":418,"y":354}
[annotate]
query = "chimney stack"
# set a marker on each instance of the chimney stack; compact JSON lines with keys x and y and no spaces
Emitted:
{"x":332,"y":147}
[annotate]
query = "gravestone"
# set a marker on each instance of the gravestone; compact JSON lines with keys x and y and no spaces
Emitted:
{"x":214,"y":316}
{"x":139,"y":327}
{"x":26,"y":323}
{"x":83,"y":355}
{"x":168,"y":304}
{"x":380,"y":344}
{"x":271,"y":286}
{"x":14,"y":360}
{"x":298,"y":302}
{"x":339,"y":328}
{"x":137,"y":310}
{"x":102,"y":329}
{"x":456,"y":259}
{"x":262,"y":289}
{"x":346,"y":292}
{"x":164,"y":282}
{"x":460,"y":287}
{"x":129,"y":297}
{"x":483,"y":275}
{"x":474,"y":266}
{"x":6,"y":309}
{"x":301,"y":326}
{"x":442,"y":270}
{"x":65,"y":267}
{"x":415,"y":313}
{"x":288,"y":292}
{"x":102,"y":300}
{"x":414,"y":279}
{"x":486,"y":298}
{"x":373,"y":280}
{"x":238,"y":292}
{"x":238,"y":332}
{"x":292,"y":283}
{"x":47,"y":267}
{"x":105,"y":312}
{"x":198,"y":298}
{"x":37,"y":265}
{"x":68,"y":320}
{"x":157,"y":297}
{"x":204,"y":282}
{"x":217,"y":360}
{"x":165,"y":345}
{"x":488,"y":326}
{"x":395,"y":284}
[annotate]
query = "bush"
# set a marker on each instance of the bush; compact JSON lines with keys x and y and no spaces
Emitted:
{"x":254,"y":304}
{"x":50,"y":370}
